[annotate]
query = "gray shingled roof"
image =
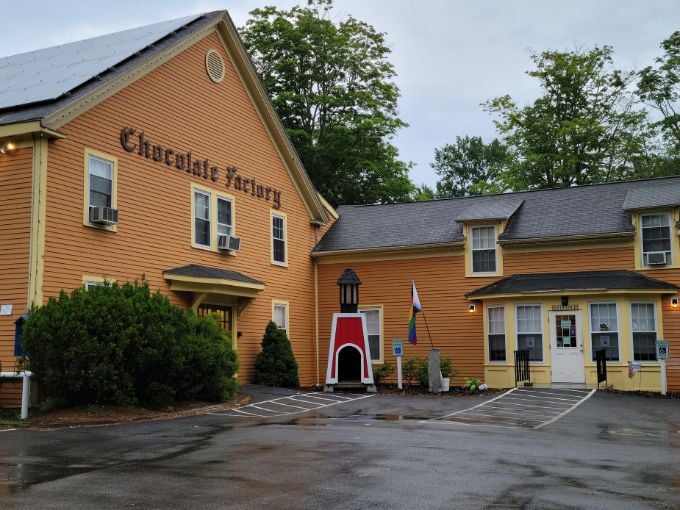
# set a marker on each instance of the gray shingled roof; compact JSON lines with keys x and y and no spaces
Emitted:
{"x":652,"y":196}
{"x":196,"y":271}
{"x":543,"y":214}
{"x":485,"y":211}
{"x":565,"y":282}
{"x":40,"y":82}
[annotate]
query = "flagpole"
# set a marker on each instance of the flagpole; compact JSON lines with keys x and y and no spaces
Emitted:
{"x":427,"y":327}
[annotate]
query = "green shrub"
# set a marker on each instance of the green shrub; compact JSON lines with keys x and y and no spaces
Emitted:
{"x":423,"y":370}
{"x":472,"y":384}
{"x":380,"y":372}
{"x":124,"y":345}
{"x":410,"y":370}
{"x":275,"y":365}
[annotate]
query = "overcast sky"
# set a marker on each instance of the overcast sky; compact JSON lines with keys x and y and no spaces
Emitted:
{"x":450,"y":55}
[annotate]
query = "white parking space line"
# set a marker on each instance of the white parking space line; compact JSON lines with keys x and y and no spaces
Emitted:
{"x":243,"y":412}
{"x":534,"y":408}
{"x":568,"y":410}
{"x":7,"y":430}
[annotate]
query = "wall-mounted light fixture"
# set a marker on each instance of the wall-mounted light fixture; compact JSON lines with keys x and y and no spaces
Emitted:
{"x":8,"y":148}
{"x":674,"y":301}
{"x":472,"y":307}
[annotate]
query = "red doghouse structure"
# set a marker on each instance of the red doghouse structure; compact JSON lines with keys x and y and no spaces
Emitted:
{"x":349,"y":355}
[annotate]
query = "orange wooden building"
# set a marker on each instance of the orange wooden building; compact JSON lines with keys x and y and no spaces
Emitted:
{"x":154,"y":154}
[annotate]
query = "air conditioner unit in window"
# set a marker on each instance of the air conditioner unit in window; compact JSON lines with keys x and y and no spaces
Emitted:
{"x":103,"y":215}
{"x":228,"y":243}
{"x":656,"y":258}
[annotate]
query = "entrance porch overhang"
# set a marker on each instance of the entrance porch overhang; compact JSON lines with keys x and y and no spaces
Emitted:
{"x":204,"y":282}
{"x":577,"y":283}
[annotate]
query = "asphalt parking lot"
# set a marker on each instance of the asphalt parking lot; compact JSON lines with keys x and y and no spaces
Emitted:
{"x":360,"y":451}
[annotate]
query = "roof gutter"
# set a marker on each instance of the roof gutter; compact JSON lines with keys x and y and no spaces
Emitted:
{"x":610,"y":236}
{"x":389,"y":249}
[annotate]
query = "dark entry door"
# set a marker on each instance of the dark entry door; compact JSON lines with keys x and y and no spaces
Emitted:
{"x":349,"y":365}
{"x":223,"y":313}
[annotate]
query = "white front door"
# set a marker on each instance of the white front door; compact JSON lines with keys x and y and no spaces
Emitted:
{"x":566,"y":347}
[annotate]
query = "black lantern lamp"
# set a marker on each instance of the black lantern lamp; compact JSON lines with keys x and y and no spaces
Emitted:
{"x":349,"y":291}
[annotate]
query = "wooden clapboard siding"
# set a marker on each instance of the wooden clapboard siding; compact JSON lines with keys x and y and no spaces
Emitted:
{"x":441,"y":288}
{"x":178,"y":106}
{"x":15,"y":230}
{"x":525,"y":261}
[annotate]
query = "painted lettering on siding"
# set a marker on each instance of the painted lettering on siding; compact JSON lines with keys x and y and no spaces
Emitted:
{"x":133,"y":140}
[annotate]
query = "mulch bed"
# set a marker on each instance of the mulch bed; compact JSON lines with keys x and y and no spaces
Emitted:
{"x":455,"y":391}
{"x":92,"y":416}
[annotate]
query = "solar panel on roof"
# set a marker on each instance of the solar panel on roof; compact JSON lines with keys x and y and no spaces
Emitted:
{"x":49,"y":73}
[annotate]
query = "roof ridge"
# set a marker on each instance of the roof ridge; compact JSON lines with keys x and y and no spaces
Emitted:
{"x":515,"y":193}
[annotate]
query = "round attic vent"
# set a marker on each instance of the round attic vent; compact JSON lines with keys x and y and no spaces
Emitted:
{"x":214,"y":65}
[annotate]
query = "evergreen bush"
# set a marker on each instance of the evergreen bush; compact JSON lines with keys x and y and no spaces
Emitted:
{"x":276,"y":365}
{"x":124,"y":345}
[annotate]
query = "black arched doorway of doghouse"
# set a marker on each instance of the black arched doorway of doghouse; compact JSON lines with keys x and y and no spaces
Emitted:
{"x":349,"y":365}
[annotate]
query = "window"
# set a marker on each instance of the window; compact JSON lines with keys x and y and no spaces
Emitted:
{"x":496,"y":316}
{"x":278,"y":239}
{"x":89,"y":285}
{"x":99,"y":185}
{"x":483,"y":249}
{"x":656,"y":239}
{"x":280,"y":315}
{"x":224,"y":222}
{"x":643,"y":317}
{"x":373,"y":331}
{"x":201,"y":218}
{"x":604,"y":330}
{"x":100,"y":174}
{"x":530,"y":331}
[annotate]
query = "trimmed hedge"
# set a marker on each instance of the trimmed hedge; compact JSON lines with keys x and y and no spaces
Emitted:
{"x":124,"y":345}
{"x":276,"y":365}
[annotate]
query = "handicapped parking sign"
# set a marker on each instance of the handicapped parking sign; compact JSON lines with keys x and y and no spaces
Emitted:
{"x":397,"y":347}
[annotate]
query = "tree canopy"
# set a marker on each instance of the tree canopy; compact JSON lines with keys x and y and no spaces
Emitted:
{"x":470,"y":167}
{"x":332,"y":86}
{"x":585,"y":128}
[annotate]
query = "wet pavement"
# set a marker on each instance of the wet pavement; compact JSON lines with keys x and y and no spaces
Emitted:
{"x":611,"y":451}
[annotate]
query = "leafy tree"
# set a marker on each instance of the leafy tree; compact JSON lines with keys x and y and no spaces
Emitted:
{"x":331,"y":84}
{"x":423,"y":193}
{"x":585,"y":128}
{"x":469,"y":167}
{"x":659,"y":88}
{"x":276,"y":365}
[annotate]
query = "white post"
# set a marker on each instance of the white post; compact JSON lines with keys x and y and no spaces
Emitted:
{"x":25,"y":395}
{"x":662,"y":362}
{"x":399,"y":380}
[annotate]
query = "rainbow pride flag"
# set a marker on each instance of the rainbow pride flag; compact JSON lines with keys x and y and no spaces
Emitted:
{"x":415,"y":308}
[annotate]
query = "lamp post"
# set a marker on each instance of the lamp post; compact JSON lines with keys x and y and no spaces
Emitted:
{"x":349,"y":291}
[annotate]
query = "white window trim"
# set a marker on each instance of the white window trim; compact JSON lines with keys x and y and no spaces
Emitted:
{"x":214,"y":196}
{"x":194,"y":192}
{"x":217,"y":223}
{"x":472,"y":250}
{"x":283,"y":217}
{"x":590,"y":326}
{"x":669,"y":215}
{"x":632,"y":333}
{"x":517,"y":333}
{"x":488,"y":333}
{"x":381,"y":341}
{"x":86,"y":187}
{"x":91,"y":281}
{"x":285,"y":304}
